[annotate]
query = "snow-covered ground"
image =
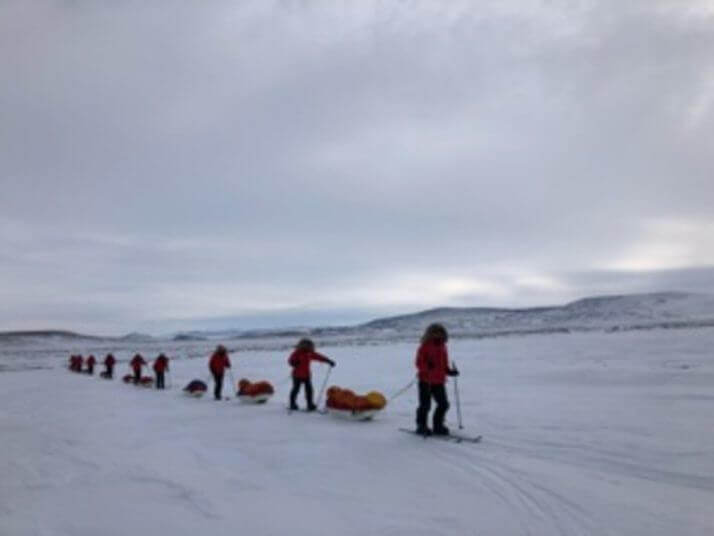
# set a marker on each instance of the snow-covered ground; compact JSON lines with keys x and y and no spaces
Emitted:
{"x":587,"y":433}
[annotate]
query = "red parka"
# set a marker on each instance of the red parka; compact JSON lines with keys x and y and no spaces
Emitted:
{"x":161,"y":363}
{"x":109,"y":361}
{"x":432,"y":362}
{"x":91,"y":361}
{"x":137,"y":362}
{"x":300,"y":361}
{"x":219,"y":362}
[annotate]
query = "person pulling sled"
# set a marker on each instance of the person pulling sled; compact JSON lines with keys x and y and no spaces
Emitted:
{"x":218,"y":364}
{"x":91,"y":361}
{"x":300,"y":360}
{"x":432,"y":363}
{"x":136,"y":363}
{"x":161,"y":365}
{"x":109,"y":363}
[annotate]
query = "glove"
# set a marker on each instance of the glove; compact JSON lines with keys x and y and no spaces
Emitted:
{"x":331,"y":363}
{"x":452,"y":372}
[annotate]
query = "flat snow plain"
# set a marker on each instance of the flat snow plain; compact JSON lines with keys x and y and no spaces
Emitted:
{"x":584,"y":434}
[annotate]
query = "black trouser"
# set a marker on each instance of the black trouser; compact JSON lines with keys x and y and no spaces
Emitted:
{"x":109,"y":372}
{"x":160,"y":380}
{"x":426,"y":392}
{"x":218,"y":378}
{"x":297,"y":382}
{"x":137,"y":375}
{"x":90,"y":369}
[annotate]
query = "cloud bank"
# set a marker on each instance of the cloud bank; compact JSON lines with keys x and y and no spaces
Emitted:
{"x":163,"y":163}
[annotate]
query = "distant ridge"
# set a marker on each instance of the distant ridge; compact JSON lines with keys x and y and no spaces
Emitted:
{"x":32,"y":349}
{"x":616,"y":312}
{"x":661,"y":310}
{"x":580,"y":304}
{"x":666,"y":310}
{"x":68,"y":335}
{"x":136,"y":337}
{"x":46,"y":333}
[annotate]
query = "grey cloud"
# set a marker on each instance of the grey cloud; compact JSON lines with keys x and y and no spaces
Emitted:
{"x":153,"y":155}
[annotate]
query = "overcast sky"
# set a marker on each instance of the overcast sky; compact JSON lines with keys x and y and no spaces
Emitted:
{"x":170,"y":164}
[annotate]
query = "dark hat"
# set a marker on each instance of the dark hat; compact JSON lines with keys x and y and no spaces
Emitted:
{"x":305,"y":344}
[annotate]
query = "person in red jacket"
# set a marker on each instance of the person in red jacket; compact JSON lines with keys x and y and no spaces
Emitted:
{"x":78,"y":363}
{"x":432,"y":363}
{"x":109,"y":362}
{"x":300,"y":360}
{"x":91,"y":361}
{"x":218,"y":364}
{"x":161,"y":364}
{"x":136,"y":363}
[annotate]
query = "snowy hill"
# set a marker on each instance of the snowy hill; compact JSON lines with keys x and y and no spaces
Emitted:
{"x":604,"y":313}
{"x":607,"y":313}
{"x":41,"y":349}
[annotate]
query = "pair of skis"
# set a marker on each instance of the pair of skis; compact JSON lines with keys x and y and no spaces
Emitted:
{"x":454,"y":437}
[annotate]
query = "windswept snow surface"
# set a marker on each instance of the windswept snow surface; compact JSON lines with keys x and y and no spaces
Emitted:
{"x":584,"y":434}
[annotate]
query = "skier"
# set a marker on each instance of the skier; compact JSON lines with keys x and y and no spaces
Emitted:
{"x":300,"y":362}
{"x":91,"y":361}
{"x":72,"y":362}
{"x":109,"y":362}
{"x":161,"y":364}
{"x":136,"y":364}
{"x":78,"y":363}
{"x":432,"y":362}
{"x":218,"y":364}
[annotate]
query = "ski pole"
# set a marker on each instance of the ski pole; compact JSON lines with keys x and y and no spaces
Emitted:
{"x":233,"y":381}
{"x":322,"y":389}
{"x":458,"y":400}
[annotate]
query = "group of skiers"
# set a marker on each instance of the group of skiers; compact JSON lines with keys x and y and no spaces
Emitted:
{"x":432,"y":364}
{"x":77,"y":362}
{"x":299,"y":360}
{"x":161,"y":366}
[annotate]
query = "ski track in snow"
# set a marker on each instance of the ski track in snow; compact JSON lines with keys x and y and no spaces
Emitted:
{"x":537,"y":503}
{"x":587,"y":434}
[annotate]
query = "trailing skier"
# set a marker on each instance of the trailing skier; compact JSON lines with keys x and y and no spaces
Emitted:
{"x":91,"y":361}
{"x":136,"y":363}
{"x":109,"y":362}
{"x":432,"y":363}
{"x":218,"y":364}
{"x":161,"y":365}
{"x":300,"y":360}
